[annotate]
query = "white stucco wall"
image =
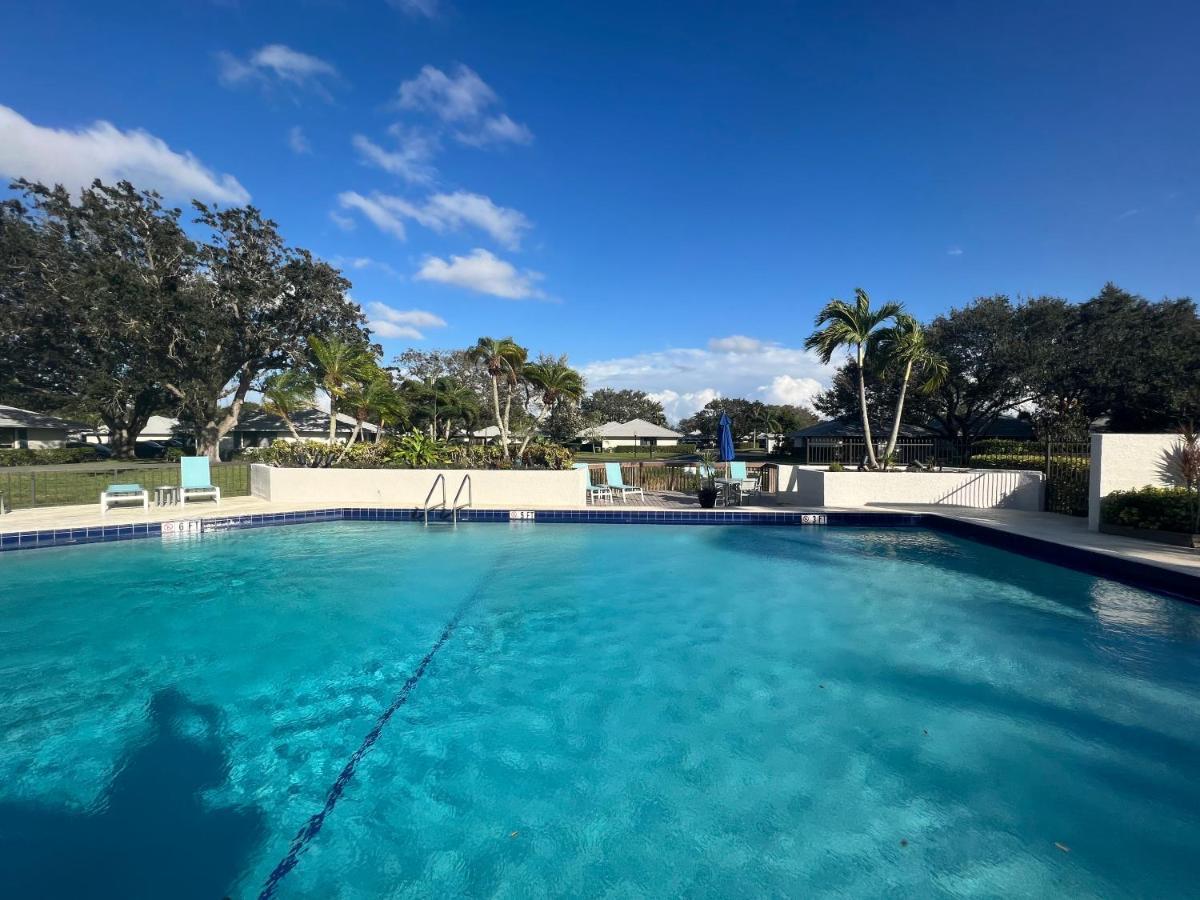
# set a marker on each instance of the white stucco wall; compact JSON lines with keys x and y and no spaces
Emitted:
{"x":44,"y":438}
{"x":979,"y":489}
{"x":1122,"y":462}
{"x":408,"y":488}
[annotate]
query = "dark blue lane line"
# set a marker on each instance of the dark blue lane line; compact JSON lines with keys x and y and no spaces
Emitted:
{"x":313,"y":826}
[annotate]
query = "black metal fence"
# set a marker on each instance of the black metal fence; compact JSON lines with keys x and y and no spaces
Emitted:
{"x":25,"y":487}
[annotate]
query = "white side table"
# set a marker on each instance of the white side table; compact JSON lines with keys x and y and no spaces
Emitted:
{"x":167,"y":494}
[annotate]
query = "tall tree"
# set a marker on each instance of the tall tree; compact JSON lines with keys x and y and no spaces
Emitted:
{"x":92,"y":289}
{"x":259,"y":303}
{"x":905,"y":351}
{"x":841,"y":325}
{"x":554,"y":382}
{"x":287,"y":393}
{"x":504,"y":360}
{"x":340,"y":366}
{"x":611,"y":405}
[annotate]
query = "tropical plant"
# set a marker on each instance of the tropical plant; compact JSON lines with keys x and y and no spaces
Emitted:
{"x":557,"y":383}
{"x":1187,"y":465}
{"x":287,"y":393}
{"x":546,"y":456}
{"x":418,"y":450}
{"x":504,"y":360}
{"x":339,"y":364}
{"x":841,"y":325}
{"x":905,"y":353}
{"x":374,"y":398}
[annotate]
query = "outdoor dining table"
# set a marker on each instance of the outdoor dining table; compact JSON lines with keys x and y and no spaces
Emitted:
{"x":727,"y":484}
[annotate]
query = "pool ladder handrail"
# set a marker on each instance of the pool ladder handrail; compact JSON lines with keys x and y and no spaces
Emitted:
{"x":428,"y":506}
{"x":456,"y":506}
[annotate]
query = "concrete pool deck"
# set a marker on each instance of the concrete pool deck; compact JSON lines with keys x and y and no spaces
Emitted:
{"x":1051,"y":527}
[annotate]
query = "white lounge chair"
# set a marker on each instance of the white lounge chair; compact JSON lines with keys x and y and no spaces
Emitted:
{"x":595,"y":492}
{"x":195,"y":481}
{"x":616,"y":482}
{"x":121,"y":493}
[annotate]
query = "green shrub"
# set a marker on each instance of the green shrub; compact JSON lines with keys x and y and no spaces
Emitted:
{"x":51,"y":457}
{"x":836,"y":467}
{"x":1004,"y":447}
{"x":1161,"y":509}
{"x":546,"y":456}
{"x":173,"y":454}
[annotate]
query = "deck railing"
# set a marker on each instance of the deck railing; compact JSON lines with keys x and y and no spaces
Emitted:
{"x":26,"y":487}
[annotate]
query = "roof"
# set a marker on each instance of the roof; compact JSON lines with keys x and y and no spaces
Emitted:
{"x":12,"y":417}
{"x":633,"y":428}
{"x":154,"y":425}
{"x":310,"y":420}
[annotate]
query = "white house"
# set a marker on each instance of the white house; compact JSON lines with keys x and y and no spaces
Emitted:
{"x":158,"y":428}
{"x":259,"y":429}
{"x":23,"y":429}
{"x":634,"y":433}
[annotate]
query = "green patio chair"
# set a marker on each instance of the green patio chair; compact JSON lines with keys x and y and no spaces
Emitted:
{"x":195,"y":480}
{"x":616,"y":482}
{"x":595,"y":492}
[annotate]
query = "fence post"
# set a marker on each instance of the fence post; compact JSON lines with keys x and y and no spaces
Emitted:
{"x":1046,"y":482}
{"x":32,"y":489}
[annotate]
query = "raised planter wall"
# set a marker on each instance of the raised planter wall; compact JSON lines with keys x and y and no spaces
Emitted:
{"x":1125,"y":462}
{"x":980,"y":489}
{"x":408,"y":487}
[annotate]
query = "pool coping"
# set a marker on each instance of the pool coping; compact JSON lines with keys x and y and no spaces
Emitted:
{"x":1149,"y":575}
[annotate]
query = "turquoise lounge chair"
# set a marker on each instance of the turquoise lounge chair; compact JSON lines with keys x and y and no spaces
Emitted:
{"x":616,"y":482}
{"x":595,"y":492}
{"x":120,"y":493}
{"x":195,"y":480}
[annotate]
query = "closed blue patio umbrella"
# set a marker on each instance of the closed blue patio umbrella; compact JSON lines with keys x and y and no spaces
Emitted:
{"x":725,"y":439}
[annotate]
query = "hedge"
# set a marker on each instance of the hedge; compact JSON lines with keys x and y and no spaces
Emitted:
{"x":51,"y":457}
{"x":1161,"y":509}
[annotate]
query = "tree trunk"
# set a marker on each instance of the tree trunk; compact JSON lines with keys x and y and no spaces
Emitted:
{"x":891,"y":444}
{"x":210,"y":433}
{"x":536,"y":424}
{"x":332,"y":421}
{"x":499,"y":418}
{"x":123,"y":430}
{"x":872,"y":462}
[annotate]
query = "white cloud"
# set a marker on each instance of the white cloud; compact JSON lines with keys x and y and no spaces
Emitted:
{"x":401,"y":323}
{"x":1128,"y":214}
{"x":443,"y":213}
{"x":277,"y":64}
{"x":343,"y":222}
{"x":359,"y":263}
{"x":465,"y":102}
{"x":954,"y":251}
{"x":75,"y":158}
{"x":685,"y":378}
{"x":483,"y":272}
{"x":297,"y":141}
{"x":427,"y":8}
{"x":411,"y":159}
{"x":376,"y":212}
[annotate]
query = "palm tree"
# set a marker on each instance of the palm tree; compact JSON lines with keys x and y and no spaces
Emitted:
{"x":456,"y":403}
{"x":843,"y":325}
{"x":504,"y":359}
{"x":905,"y":352}
{"x":287,"y":393}
{"x":558,"y":383}
{"x":375,"y":397}
{"x":338,"y":365}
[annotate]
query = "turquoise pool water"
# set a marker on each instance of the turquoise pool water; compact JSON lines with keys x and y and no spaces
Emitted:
{"x":616,"y":711}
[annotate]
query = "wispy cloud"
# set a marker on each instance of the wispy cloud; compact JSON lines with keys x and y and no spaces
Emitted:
{"x":484,"y":273}
{"x":442,"y":213}
{"x":74,"y":158}
{"x":1127,"y":214}
{"x":411,"y":159}
{"x":428,"y":9}
{"x":277,"y":65}
{"x":401,"y":323}
{"x":465,"y":103}
{"x":297,"y":141}
{"x":359,"y":263}
{"x":376,"y":212}
{"x":684,"y":379}
{"x":954,"y":251}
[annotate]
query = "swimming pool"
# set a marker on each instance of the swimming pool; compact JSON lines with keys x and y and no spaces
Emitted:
{"x":572,"y":710}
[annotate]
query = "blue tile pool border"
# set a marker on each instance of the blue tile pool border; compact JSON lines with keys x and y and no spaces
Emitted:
{"x":1133,"y":572}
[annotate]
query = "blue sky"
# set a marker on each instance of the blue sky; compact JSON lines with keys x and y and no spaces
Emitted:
{"x":665,"y":192}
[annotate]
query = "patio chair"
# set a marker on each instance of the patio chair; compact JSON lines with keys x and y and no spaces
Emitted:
{"x":616,"y":483}
{"x":120,"y":493}
{"x":195,"y":480}
{"x":595,"y":492}
{"x":745,"y":484}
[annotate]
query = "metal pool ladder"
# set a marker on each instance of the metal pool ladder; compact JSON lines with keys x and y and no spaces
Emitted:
{"x":456,"y":506}
{"x":441,"y":479}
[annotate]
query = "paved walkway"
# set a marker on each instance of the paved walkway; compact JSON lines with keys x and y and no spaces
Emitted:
{"x":1066,"y":530}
